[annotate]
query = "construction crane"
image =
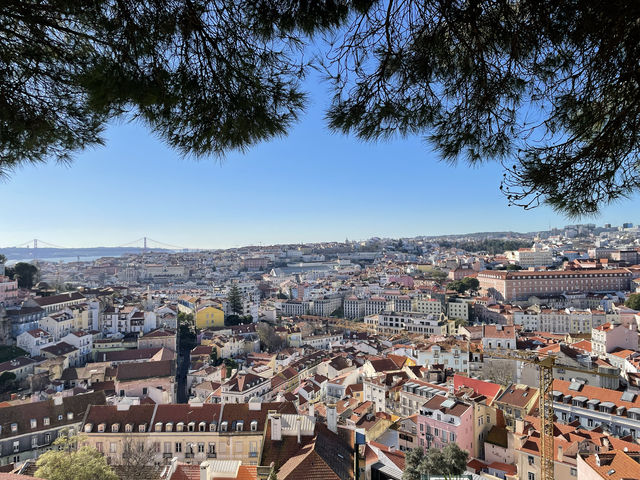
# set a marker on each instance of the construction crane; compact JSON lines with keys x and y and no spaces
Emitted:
{"x":545,"y":363}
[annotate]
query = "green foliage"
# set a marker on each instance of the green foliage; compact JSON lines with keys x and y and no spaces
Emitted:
{"x":269,"y":339}
{"x":235,"y":300}
{"x":492,"y":246}
{"x":633,"y":302}
{"x":231,"y":320}
{"x":7,"y":377}
{"x":464,"y":285}
{"x":231,"y":365}
{"x":69,"y":463}
{"x":3,"y":258}
{"x":212,"y":77}
{"x":9,"y":352}
{"x":25,"y":273}
{"x":448,"y":462}
{"x":413,"y":460}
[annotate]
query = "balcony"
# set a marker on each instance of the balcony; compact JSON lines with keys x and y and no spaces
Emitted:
{"x":167,"y":455}
{"x":189,"y":455}
{"x":212,"y":455}
{"x":253,"y":454}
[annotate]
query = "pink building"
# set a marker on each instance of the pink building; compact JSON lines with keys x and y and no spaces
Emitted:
{"x":611,"y":336}
{"x":8,"y":290}
{"x":445,"y":420}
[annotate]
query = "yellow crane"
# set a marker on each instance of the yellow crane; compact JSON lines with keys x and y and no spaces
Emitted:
{"x":545,"y":363}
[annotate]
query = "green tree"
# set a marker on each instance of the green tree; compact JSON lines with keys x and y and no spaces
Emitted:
{"x":633,"y":301}
{"x":412,"y":462}
{"x":268,"y":336}
{"x":550,"y":87}
{"x":3,"y":259}
{"x":25,"y":273}
{"x":231,"y":365}
{"x":71,"y":463}
{"x":235,"y":300}
{"x":471,"y":283}
{"x":449,"y":462}
{"x":457,"y":286}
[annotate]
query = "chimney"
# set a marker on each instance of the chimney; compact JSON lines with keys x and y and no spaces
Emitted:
{"x":204,"y":471}
{"x":276,"y":427}
{"x":332,"y":420}
{"x":299,"y":428}
{"x":560,"y":455}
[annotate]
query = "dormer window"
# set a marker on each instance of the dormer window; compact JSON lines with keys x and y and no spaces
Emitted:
{"x":202,"y":427}
{"x":168,"y":427}
{"x":88,"y":427}
{"x":180,"y":427}
{"x":159,"y":427}
{"x":101,"y":427}
{"x":254,"y":425}
{"x":60,"y":417}
{"x":14,"y":427}
{"x":213,"y":426}
{"x":70,"y":416}
{"x":46,"y":421}
{"x":223,"y":426}
{"x":191,"y":426}
{"x":34,"y":423}
{"x":115,"y":427}
{"x":128,"y":428}
{"x":239,"y":426}
{"x":142,"y":428}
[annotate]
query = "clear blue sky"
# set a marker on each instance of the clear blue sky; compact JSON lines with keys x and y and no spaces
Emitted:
{"x":309,"y":186}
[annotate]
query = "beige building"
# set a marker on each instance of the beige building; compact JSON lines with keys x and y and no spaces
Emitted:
{"x":192,"y":433}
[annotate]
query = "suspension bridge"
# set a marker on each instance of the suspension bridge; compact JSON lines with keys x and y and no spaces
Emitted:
{"x":145,"y":244}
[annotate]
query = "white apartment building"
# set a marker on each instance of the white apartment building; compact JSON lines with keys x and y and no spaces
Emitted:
{"x":537,"y":256}
{"x":353,"y":307}
{"x":458,"y":310}
{"x":58,"y":324}
{"x":616,"y":412}
{"x":398,"y":322}
{"x":34,"y":340}
{"x":561,"y":321}
{"x":431,"y":306}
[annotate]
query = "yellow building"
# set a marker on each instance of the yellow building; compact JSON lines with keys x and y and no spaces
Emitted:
{"x":210,"y":315}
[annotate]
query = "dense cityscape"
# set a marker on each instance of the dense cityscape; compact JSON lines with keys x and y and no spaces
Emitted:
{"x":489,"y":355}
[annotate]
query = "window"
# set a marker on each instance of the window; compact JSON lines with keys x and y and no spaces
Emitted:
{"x":530,"y":460}
{"x":16,"y":446}
{"x":14,"y":427}
{"x":212,"y":449}
{"x":167,"y":447}
{"x":178,"y":447}
{"x":200,"y":447}
{"x":99,"y":447}
{"x":574,"y":472}
{"x":34,"y":442}
{"x":452,"y":437}
{"x":253,"y":449}
{"x":60,"y":417}
{"x":46,"y":421}
{"x":47,"y":438}
{"x":531,"y":476}
{"x":70,"y":416}
{"x":34,"y":423}
{"x":113,"y":447}
{"x":145,"y":390}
